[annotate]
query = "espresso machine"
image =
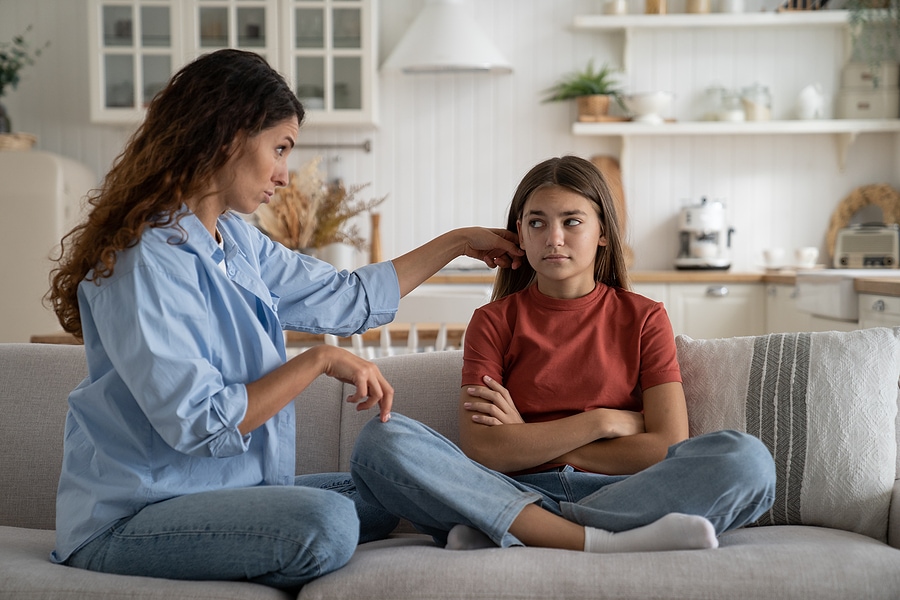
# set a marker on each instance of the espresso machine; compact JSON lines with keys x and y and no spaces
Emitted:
{"x":704,"y":237}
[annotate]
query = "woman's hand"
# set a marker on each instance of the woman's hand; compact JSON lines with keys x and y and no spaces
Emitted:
{"x":484,"y":245}
{"x":371,"y":386}
{"x":498,"y":408}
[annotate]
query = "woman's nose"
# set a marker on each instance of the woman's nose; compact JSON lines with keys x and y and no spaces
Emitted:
{"x":280,"y":176}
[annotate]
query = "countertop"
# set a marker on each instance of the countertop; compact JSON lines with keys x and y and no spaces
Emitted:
{"x":889,"y":286}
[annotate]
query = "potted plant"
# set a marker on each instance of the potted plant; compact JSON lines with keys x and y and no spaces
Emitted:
{"x":591,"y":88}
{"x":875,"y":32}
{"x":14,"y":56}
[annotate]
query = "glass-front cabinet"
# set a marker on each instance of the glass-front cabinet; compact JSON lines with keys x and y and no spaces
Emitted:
{"x":324,"y":48}
{"x":135,"y":46}
{"x":330,"y":57}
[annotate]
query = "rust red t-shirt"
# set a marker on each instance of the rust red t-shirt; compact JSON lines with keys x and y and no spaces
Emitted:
{"x":561,"y":357}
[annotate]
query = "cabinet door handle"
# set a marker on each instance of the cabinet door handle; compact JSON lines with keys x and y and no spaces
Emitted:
{"x":878,"y":306}
{"x":717,"y":291}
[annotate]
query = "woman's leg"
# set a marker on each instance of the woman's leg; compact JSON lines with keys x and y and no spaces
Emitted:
{"x":282,"y":536}
{"x":375,"y":523}
{"x":727,"y":477}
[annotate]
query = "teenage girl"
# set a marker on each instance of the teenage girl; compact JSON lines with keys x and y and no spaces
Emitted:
{"x":573,"y":423}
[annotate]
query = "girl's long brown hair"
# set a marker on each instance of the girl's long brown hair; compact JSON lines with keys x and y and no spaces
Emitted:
{"x":583,"y":178}
{"x":192,"y":128}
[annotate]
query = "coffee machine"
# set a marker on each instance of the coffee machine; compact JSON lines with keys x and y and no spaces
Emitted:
{"x":704,"y":238}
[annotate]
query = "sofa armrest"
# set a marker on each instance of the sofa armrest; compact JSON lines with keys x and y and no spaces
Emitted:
{"x":893,"y":533}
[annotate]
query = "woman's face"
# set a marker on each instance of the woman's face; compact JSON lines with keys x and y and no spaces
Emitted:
{"x":560,"y":232}
{"x":257,"y":168}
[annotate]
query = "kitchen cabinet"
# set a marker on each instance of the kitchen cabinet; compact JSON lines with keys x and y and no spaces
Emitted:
{"x":324,"y":48}
{"x":782,"y":315}
{"x":878,"y":311}
{"x":844,"y":131}
{"x":711,"y":310}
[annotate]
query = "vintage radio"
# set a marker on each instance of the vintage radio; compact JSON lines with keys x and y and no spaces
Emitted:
{"x":867,"y":247}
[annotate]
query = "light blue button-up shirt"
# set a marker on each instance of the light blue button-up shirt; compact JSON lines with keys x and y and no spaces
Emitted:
{"x":171,"y":340}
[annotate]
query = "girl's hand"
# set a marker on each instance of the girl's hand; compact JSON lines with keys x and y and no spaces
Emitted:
{"x":499,"y":409}
{"x":621,"y":423}
{"x":371,"y":386}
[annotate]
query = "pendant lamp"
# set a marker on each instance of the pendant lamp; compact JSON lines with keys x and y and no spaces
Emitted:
{"x":444,"y":39}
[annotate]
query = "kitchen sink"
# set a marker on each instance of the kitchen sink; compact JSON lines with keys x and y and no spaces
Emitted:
{"x":829,"y":293}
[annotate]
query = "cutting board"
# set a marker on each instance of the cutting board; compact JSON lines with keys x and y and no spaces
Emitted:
{"x":609,"y":167}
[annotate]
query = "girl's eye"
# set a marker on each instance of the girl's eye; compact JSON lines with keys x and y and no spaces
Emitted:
{"x":534,"y":224}
{"x":572,"y":222}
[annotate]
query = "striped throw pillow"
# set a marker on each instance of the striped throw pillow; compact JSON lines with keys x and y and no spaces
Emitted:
{"x":824,"y":404}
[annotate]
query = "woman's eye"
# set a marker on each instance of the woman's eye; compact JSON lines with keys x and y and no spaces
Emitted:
{"x":280,"y":150}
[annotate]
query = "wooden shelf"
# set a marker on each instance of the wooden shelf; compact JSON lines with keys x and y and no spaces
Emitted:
{"x":814,"y":18}
{"x":845,"y":131}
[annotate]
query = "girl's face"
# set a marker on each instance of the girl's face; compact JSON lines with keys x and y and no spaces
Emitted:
{"x":257,"y":168}
{"x":560,"y":231}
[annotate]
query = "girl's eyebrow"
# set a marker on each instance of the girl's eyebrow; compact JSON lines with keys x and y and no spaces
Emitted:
{"x":565,"y":213}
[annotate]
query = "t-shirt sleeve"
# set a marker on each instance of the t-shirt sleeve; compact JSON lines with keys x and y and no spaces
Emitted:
{"x":659,"y":359}
{"x":485,"y":347}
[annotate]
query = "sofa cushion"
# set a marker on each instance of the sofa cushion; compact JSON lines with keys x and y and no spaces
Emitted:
{"x":823,"y":403}
{"x":754,"y":563}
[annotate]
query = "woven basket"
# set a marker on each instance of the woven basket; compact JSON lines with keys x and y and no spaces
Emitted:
{"x":17,"y":141}
{"x":592,"y":107}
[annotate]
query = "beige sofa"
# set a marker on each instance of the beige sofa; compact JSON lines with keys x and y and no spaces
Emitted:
{"x":816,"y":559}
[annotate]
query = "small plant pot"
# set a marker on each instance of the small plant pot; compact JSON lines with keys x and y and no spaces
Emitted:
{"x":591,"y":108}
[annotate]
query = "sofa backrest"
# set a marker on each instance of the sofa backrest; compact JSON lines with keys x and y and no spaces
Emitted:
{"x":35,"y":381}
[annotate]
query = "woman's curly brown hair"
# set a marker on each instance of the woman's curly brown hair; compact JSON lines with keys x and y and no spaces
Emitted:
{"x":192,"y":128}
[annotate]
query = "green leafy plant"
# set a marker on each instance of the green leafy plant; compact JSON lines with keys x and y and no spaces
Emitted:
{"x":15,"y":56}
{"x":875,"y":31}
{"x":588,"y":82}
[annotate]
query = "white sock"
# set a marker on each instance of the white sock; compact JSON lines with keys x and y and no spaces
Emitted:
{"x":675,"y":531}
{"x":462,"y":537}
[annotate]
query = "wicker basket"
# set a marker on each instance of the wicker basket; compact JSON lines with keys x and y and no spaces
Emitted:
{"x":591,"y":108}
{"x":17,"y":141}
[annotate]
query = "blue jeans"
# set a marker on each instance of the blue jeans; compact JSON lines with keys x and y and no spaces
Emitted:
{"x":281,"y":536}
{"x":411,"y":470}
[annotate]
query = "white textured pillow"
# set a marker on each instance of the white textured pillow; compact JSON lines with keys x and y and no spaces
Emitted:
{"x":824,"y":404}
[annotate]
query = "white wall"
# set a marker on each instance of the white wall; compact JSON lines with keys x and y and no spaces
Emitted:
{"x":450,"y":149}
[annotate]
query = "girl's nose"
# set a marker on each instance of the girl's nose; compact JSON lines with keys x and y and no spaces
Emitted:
{"x":555,"y":235}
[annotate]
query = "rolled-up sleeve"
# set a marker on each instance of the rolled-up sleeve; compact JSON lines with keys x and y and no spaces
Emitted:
{"x":156,"y":333}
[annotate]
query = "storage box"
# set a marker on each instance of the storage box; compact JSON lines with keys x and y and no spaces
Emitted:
{"x":880,"y":104}
{"x":861,"y":76}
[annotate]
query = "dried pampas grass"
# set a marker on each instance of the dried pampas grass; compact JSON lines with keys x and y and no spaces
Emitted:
{"x":308,"y":213}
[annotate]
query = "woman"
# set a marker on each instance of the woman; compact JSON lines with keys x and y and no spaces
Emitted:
{"x":573,"y":423}
{"x":179,"y":450}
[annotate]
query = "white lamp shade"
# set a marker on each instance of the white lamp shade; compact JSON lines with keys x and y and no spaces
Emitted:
{"x":444,"y":39}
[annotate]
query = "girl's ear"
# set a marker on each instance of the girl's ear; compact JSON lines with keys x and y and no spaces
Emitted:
{"x":519,"y":233}
{"x":602,"y":241}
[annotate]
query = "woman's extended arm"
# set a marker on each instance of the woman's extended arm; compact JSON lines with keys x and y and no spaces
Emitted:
{"x":496,"y":247}
{"x":602,"y":440}
{"x":269,"y":394}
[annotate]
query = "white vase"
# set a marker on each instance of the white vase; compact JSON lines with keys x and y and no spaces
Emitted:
{"x":341,"y":256}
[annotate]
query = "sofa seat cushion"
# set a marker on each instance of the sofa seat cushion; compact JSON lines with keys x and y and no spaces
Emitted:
{"x":26,"y":572}
{"x":823,"y":403}
{"x":758,"y":562}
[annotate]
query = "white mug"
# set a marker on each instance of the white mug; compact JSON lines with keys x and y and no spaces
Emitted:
{"x":731,"y":6}
{"x":806,"y":257}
